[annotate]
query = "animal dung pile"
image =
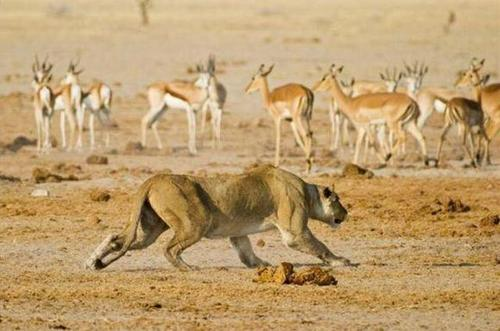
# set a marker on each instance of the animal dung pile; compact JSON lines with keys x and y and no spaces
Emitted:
{"x":97,"y":159}
{"x":284,"y":274}
{"x":352,"y":170}
{"x":42,"y":175}
{"x":99,"y":195}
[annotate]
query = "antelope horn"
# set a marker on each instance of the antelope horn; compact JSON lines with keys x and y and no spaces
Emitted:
{"x":37,"y":63}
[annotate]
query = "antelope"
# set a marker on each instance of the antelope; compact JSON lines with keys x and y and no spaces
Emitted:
{"x":291,"y":102}
{"x":488,"y":97}
{"x":339,"y":123}
{"x":178,"y":94}
{"x":97,"y":100}
{"x":397,"y":110}
{"x":43,"y":102}
{"x":215,"y":103}
{"x":68,"y":99}
{"x":468,"y":116}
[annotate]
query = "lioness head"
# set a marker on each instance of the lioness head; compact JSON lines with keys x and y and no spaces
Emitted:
{"x":108,"y":251}
{"x":329,"y":209}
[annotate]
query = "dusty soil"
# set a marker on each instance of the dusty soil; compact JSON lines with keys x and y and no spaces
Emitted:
{"x":427,"y":240}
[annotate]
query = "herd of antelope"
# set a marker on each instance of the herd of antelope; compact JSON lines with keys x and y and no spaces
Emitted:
{"x":382,"y":112}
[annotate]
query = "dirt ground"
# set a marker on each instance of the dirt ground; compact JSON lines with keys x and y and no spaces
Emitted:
{"x":426,"y":239}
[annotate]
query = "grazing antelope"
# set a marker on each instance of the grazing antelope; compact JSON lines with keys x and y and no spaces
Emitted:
{"x":290,"y":102}
{"x":217,"y":94}
{"x":468,"y":116}
{"x":397,"y":110}
{"x":43,"y":102}
{"x":189,"y":96}
{"x":488,"y":97}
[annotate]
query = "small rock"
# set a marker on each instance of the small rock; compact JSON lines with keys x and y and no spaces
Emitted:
{"x":40,"y":192}
{"x":100,"y":195}
{"x":261,"y":243}
{"x":9,"y":178}
{"x":93,"y":219}
{"x":490,"y":220}
{"x":133,"y":147}
{"x":97,"y":159}
{"x":353,"y":170}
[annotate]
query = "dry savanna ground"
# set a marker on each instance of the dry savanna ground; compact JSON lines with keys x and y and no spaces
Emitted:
{"x":427,"y":240}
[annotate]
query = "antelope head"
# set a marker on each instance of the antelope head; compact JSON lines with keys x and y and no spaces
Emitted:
{"x":414,"y":75}
{"x":259,"y":79}
{"x":72,"y":73}
{"x":327,"y":81}
{"x":41,"y":71}
{"x":471,"y":76}
{"x":391,"y":78}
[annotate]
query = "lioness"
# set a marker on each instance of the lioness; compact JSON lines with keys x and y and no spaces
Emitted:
{"x":231,"y":206}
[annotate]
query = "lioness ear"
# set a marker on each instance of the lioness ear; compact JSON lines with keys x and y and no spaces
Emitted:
{"x":327,"y":192}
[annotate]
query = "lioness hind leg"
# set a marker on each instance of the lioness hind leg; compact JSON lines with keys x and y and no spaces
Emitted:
{"x":246,"y":254}
{"x":177,"y":245}
{"x":306,"y":242}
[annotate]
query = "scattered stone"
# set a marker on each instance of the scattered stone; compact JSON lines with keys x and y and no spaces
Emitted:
{"x":448,"y":205}
{"x":151,"y":306}
{"x":42,"y":175}
{"x":259,"y":123}
{"x":100,"y":195}
{"x":97,"y":159}
{"x":261,"y":243}
{"x":19,"y":142}
{"x":490,"y":220}
{"x":284,"y":274}
{"x":353,"y":170}
{"x":314,"y":275}
{"x":133,"y":147}
{"x":93,"y":219}
{"x":40,"y":192}
{"x":66,"y":168}
{"x":9,"y":178}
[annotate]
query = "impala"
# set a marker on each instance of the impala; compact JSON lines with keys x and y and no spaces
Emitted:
{"x":468,"y":116}
{"x":290,"y":102}
{"x":178,"y":94}
{"x":397,"y":110}
{"x":488,"y":96}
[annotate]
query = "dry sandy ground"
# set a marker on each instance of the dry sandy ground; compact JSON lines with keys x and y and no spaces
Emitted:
{"x":422,"y":265}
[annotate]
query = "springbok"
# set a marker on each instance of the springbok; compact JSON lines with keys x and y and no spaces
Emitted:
{"x":68,"y":100}
{"x":178,"y":94}
{"x":97,"y":101}
{"x":217,"y":94}
{"x":488,"y":97}
{"x":397,"y":110}
{"x":290,"y":102}
{"x":43,"y":102}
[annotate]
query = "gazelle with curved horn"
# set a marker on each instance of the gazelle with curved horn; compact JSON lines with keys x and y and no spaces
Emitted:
{"x":488,"y":97}
{"x":178,"y":94}
{"x":397,"y":110}
{"x":290,"y":102}
{"x":217,"y":94}
{"x":43,"y":102}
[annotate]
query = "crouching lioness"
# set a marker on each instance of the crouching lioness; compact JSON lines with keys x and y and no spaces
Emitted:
{"x":231,"y":206}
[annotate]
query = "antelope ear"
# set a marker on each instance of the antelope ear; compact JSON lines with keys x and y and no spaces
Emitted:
{"x":382,"y":76}
{"x":49,"y":78}
{"x":353,"y":81}
{"x":485,"y":79}
{"x":340,"y":69}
